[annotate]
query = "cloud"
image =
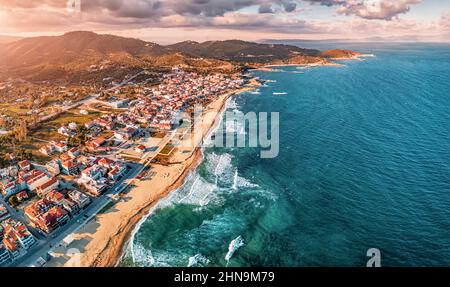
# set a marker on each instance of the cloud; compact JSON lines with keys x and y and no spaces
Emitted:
{"x":161,"y":8}
{"x":258,"y":16}
{"x":445,"y":21}
{"x":51,"y":14}
{"x":377,"y":9}
{"x":370,"y":9}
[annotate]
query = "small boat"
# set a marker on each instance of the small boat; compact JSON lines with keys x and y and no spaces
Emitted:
{"x":280,"y":93}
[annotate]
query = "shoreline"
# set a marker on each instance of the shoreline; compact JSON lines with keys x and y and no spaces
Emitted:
{"x":272,"y":67}
{"x":198,"y":159}
{"x":103,"y":241}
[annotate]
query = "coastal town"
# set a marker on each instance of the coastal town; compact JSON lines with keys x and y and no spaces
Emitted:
{"x":90,"y":163}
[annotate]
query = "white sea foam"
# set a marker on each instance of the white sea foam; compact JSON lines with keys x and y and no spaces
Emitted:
{"x":280,"y":93}
{"x":231,"y":104}
{"x":233,"y":247}
{"x":198,"y":261}
{"x":236,"y":128}
{"x":142,"y":257}
{"x":235,"y":180}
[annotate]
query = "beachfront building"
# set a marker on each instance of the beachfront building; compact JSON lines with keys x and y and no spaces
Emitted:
{"x":93,"y":173}
{"x":59,"y":199}
{"x":79,"y":198}
{"x":15,"y":240}
{"x":95,"y":188}
{"x":46,"y":216}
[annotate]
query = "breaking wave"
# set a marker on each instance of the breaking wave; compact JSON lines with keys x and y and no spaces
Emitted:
{"x":233,"y":247}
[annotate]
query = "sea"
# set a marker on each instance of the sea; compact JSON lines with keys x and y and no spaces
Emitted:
{"x":364,"y":163}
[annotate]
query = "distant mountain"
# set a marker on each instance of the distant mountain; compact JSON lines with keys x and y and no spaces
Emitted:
{"x":50,"y":57}
{"x":86,"y":56}
{"x":72,"y":46}
{"x":242,"y":51}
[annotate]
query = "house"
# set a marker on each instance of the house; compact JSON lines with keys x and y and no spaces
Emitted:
{"x":48,"y":186}
{"x":126,"y":133}
{"x":60,"y":147}
{"x":119,"y":104}
{"x":74,"y":152}
{"x":35,"y":179}
{"x":93,"y":173}
{"x":53,"y":168}
{"x":117,"y":171}
{"x":120,"y":135}
{"x":25,"y":165}
{"x":12,"y":187}
{"x":79,"y":198}
{"x":105,"y":124}
{"x":12,"y":246}
{"x":69,"y":167}
{"x":55,"y":197}
{"x":52,"y":219}
{"x":70,"y":206}
{"x":65,"y":131}
{"x":46,"y":216}
{"x":34,"y":210}
{"x":95,"y":188}
{"x":106,"y":162}
{"x":89,"y":125}
{"x":65,"y":157}
{"x":73,"y":126}
{"x":47,"y":149}
{"x":140,"y":149}
{"x":18,"y":234}
{"x":98,"y":142}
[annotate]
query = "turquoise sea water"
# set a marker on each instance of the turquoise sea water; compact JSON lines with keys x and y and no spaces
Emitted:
{"x":364,"y":163}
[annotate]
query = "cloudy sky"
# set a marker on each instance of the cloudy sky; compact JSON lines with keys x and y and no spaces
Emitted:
{"x":167,"y":21}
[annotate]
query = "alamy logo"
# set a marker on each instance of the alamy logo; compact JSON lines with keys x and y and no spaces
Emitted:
{"x":238,"y":130}
{"x":375,"y":257}
{"x":74,"y":6}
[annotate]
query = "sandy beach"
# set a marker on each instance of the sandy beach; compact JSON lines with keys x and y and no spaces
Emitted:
{"x":101,"y":242}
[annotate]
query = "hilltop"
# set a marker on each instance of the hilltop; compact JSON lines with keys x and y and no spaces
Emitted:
{"x":81,"y":55}
{"x":75,"y":53}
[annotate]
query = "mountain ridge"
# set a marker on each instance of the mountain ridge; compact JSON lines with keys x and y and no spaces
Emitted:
{"x":74,"y":53}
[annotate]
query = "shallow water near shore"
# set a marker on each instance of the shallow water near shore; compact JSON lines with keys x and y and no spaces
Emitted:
{"x":364,"y":163}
